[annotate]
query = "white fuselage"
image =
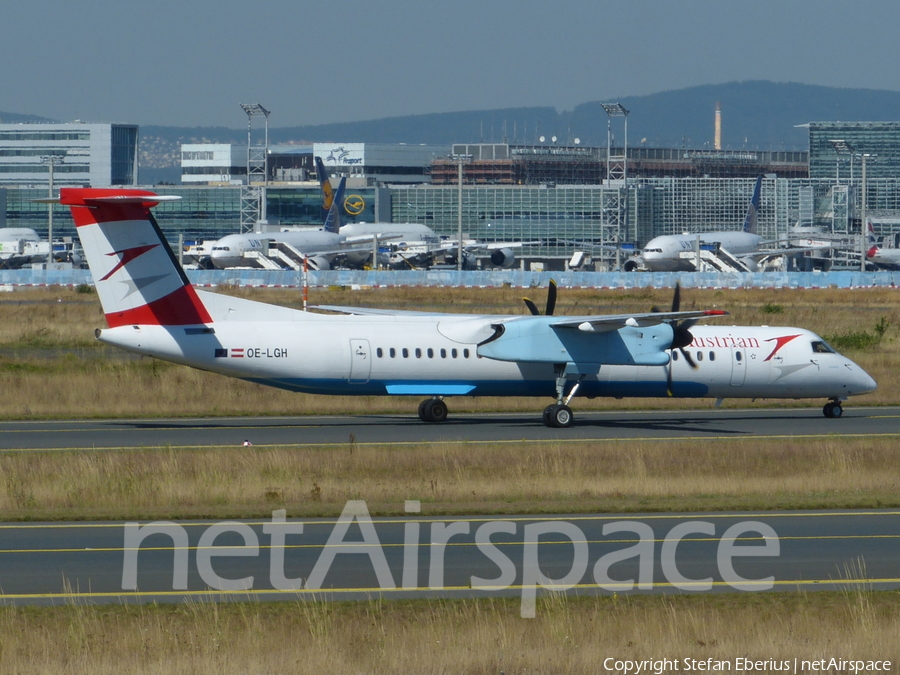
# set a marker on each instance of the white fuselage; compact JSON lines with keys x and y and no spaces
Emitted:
{"x":438,"y":355}
{"x":236,"y":250}
{"x":662,"y":254}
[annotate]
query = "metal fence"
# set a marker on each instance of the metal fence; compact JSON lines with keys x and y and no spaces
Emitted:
{"x":481,"y":279}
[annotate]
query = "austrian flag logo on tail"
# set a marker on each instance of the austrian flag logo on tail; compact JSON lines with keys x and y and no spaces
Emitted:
{"x":127,"y":256}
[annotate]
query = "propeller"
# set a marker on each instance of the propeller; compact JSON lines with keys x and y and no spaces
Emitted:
{"x":551,"y":301}
{"x":681,"y":337}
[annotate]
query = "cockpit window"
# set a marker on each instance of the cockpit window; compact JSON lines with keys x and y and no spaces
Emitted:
{"x":821,"y":347}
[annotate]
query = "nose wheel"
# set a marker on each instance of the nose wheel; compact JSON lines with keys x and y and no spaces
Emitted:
{"x":833,"y":409}
{"x":433,"y":410}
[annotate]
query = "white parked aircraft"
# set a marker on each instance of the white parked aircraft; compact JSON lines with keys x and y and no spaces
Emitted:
{"x":236,"y":250}
{"x":886,"y":258}
{"x":664,"y":253}
{"x":412,"y":245}
{"x":21,"y":246}
{"x":152,"y":309}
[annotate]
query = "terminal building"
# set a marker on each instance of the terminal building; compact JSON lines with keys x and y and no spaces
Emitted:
{"x":558,"y":199}
{"x":78,"y":154}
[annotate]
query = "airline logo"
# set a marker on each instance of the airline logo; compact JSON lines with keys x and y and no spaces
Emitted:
{"x":126,"y":257}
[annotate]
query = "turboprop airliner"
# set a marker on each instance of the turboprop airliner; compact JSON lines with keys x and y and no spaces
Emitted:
{"x":152,"y":309}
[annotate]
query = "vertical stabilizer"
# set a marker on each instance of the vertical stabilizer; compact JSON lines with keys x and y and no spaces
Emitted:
{"x":138,"y":279}
{"x":753,"y":209}
{"x":333,"y":219}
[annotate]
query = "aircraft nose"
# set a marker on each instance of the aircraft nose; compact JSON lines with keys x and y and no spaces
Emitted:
{"x":862,"y":383}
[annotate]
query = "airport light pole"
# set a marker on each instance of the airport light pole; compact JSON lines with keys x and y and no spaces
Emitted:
{"x":51,"y":161}
{"x":863,"y":229}
{"x":460,"y":160}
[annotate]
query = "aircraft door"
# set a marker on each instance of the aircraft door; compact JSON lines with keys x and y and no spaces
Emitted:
{"x":360,"y":361}
{"x":738,"y":366}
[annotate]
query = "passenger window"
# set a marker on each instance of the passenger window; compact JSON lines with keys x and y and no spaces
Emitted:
{"x":418,"y":353}
{"x":699,"y":356}
{"x":712,"y":356}
{"x":466,"y":353}
{"x":379,"y":353}
{"x":738,"y":357}
{"x":393,"y":352}
{"x":443,"y":353}
{"x":405,"y":353}
{"x":430,"y":353}
{"x":674,"y":356}
{"x":454,"y":353}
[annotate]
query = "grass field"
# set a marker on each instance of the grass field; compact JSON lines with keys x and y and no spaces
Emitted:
{"x":569,"y":635}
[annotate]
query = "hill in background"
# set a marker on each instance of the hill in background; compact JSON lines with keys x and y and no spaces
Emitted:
{"x":756,"y":115}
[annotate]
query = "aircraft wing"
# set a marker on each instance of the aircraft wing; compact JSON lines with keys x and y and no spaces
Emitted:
{"x":366,"y":311}
{"x":616,"y":321}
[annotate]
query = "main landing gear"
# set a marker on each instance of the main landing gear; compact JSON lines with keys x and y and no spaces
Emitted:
{"x":833,"y":409}
{"x":559,"y":415}
{"x":433,"y":410}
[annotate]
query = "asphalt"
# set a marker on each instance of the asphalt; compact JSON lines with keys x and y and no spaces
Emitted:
{"x":57,"y":563}
{"x":708,"y":423}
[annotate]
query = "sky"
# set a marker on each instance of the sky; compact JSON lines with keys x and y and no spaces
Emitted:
{"x":193,"y":62}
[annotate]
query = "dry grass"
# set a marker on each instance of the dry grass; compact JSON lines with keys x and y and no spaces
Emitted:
{"x":569,"y":635}
{"x":40,"y":381}
{"x":613,"y":476}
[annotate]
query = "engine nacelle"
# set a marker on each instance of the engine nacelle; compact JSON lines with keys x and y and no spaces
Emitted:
{"x":319,"y":262}
{"x":503,"y":257}
{"x":630,"y":266}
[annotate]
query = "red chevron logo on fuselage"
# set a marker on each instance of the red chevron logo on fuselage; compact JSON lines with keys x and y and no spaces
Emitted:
{"x":128,"y":255}
{"x":779,"y":343}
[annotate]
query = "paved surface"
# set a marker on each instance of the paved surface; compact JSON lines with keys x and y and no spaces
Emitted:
{"x":54,"y":563}
{"x":400,"y":429}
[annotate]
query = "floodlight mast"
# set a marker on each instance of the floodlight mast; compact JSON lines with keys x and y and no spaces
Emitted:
{"x":616,"y":166}
{"x":253,"y":199}
{"x":51,"y":161}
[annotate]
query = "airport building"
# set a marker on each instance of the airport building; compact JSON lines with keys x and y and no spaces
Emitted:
{"x":837,"y":150}
{"x":557,"y":199}
{"x":78,"y":154}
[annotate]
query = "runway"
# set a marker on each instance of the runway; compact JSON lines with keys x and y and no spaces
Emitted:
{"x":298,"y":431}
{"x":341,"y":559}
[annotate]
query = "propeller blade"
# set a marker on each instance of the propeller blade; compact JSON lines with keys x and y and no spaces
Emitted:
{"x":551,"y":298}
{"x":531,"y":306}
{"x":676,"y":299}
{"x":669,"y":377}
{"x":687,"y":357}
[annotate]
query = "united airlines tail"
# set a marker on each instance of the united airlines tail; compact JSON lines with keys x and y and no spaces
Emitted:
{"x":138,"y":279}
{"x":753,"y":209}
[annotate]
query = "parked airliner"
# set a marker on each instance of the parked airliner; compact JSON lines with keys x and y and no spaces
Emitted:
{"x":152,"y":309}
{"x":663,"y":254}
{"x":321,"y":246}
{"x":886,"y":258}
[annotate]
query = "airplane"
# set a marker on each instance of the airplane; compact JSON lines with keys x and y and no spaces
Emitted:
{"x":152,"y":309}
{"x":885,"y":258}
{"x":415,"y":245}
{"x":320,"y":247}
{"x":663,"y":253}
{"x":21,"y":246}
